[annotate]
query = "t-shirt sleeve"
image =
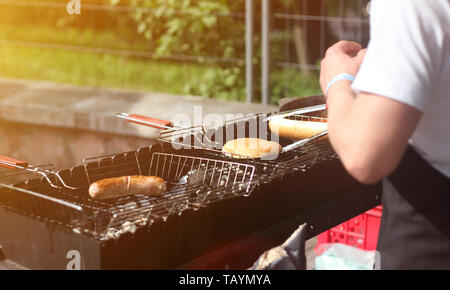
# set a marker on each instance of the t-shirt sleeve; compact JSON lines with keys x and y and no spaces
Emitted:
{"x":403,"y":57}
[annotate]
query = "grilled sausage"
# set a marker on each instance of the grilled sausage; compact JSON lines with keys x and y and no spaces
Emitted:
{"x":127,"y":185}
{"x":297,"y":130}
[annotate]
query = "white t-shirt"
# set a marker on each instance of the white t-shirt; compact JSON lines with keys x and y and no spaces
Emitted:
{"x":408,"y":60}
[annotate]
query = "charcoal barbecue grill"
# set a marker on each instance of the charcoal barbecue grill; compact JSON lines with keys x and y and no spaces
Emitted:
{"x":213,"y":201}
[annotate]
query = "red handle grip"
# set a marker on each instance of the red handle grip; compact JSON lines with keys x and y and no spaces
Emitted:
{"x":147,"y":121}
{"x":5,"y":161}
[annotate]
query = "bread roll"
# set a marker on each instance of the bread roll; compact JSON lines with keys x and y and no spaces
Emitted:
{"x":127,"y":185}
{"x":297,"y":130}
{"x":251,"y":148}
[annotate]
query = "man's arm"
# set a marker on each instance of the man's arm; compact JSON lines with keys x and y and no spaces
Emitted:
{"x":369,"y":132}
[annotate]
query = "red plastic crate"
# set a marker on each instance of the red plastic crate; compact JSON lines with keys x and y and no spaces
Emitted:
{"x":360,"y":232}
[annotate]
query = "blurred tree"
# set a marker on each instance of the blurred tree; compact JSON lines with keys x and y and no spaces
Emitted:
{"x":191,"y":27}
{"x":197,"y":28}
{"x":192,"y":30}
{"x":206,"y":28}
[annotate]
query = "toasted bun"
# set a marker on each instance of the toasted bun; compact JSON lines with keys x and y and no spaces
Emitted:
{"x":251,"y":148}
{"x":297,"y":130}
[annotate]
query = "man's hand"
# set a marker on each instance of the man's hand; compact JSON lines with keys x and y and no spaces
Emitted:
{"x":343,"y":57}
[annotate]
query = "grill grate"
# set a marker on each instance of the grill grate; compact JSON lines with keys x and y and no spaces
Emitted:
{"x":203,"y":181}
{"x":107,"y":166}
{"x":195,"y":177}
{"x":214,"y":173}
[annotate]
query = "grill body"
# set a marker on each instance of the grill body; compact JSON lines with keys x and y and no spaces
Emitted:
{"x":39,"y":243}
{"x":306,"y":185}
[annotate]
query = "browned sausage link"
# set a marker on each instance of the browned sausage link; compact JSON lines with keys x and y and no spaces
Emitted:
{"x":127,"y":185}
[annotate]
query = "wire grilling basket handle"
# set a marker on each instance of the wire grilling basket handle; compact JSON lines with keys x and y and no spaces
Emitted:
{"x":147,"y":121}
{"x":14,"y":164}
{"x":11,"y":163}
{"x":303,"y":141}
{"x":297,"y":112}
{"x":43,"y":196}
{"x":163,"y":124}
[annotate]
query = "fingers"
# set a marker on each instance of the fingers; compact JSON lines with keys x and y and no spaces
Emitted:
{"x":348,"y":47}
{"x":361,"y":54}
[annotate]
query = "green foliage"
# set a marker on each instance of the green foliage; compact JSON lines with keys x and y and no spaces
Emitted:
{"x":116,"y":71}
{"x":287,"y":83}
{"x":198,"y":29}
{"x":166,"y":28}
{"x":189,"y":27}
{"x":342,"y":8}
{"x":218,"y":83}
{"x":206,"y":28}
{"x":94,"y":69}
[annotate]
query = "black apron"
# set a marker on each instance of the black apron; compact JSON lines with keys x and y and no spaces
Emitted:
{"x":415,"y":225}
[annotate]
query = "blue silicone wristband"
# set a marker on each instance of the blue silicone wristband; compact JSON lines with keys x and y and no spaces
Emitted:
{"x":340,"y":77}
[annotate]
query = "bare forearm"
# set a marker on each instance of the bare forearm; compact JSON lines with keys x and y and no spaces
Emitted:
{"x":340,"y":102}
{"x":343,"y":128}
{"x":369,"y":132}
